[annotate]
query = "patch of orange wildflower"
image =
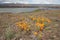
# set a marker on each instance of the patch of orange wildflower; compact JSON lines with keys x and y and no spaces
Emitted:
{"x":22,"y":25}
{"x":41,"y":25}
{"x":40,"y":22}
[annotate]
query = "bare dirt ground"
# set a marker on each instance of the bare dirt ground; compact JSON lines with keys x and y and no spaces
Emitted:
{"x":9,"y":30}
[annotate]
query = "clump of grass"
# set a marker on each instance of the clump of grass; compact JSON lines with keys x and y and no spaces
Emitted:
{"x":9,"y":33}
{"x":37,"y":10}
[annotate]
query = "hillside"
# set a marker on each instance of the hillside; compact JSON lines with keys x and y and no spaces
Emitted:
{"x":36,"y":25}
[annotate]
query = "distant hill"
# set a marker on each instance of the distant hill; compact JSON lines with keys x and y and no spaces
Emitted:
{"x":18,"y":5}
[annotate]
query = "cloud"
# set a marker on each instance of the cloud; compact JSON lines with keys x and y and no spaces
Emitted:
{"x":41,"y":1}
{"x":33,"y":1}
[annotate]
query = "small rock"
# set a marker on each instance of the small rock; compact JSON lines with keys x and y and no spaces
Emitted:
{"x":54,"y":36}
{"x":56,"y":25}
{"x":21,"y":39}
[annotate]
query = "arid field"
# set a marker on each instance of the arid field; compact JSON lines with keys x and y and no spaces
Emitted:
{"x":36,"y":25}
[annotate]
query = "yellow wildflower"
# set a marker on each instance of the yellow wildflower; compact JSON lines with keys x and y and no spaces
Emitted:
{"x":35,"y":33}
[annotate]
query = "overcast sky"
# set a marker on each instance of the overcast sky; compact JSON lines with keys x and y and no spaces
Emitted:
{"x":33,"y":1}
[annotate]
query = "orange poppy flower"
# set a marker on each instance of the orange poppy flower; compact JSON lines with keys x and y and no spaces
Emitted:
{"x":41,"y":25}
{"x":37,"y":24}
{"x":22,"y":25}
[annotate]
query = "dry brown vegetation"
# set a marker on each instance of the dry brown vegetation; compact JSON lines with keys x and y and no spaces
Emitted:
{"x":36,"y":25}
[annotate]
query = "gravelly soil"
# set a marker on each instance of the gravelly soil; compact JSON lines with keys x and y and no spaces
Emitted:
{"x":8,"y":20}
